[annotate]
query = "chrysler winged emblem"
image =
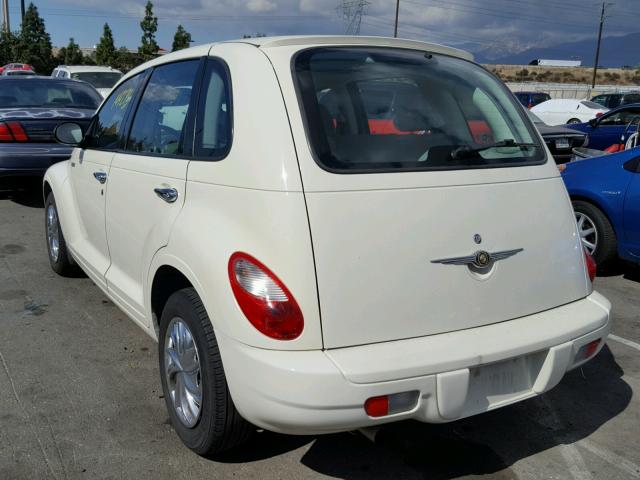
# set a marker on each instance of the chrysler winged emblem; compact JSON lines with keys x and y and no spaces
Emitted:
{"x":480,"y":259}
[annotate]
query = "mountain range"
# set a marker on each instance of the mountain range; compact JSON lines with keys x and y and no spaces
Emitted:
{"x":616,"y":51}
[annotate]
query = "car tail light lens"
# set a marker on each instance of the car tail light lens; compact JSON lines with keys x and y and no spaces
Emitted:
{"x":599,"y":114}
{"x":592,"y":267}
{"x":12,"y":132}
{"x":5,"y":133}
{"x":391,"y":404}
{"x":18,"y":132}
{"x":264,"y":299}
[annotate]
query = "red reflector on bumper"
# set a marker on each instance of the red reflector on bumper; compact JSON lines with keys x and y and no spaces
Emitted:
{"x":377,"y":406}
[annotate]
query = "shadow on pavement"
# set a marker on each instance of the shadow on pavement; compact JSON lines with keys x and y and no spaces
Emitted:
{"x":26,"y":191}
{"x":489,"y":443}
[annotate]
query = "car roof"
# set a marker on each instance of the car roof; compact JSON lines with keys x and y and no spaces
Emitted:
{"x":303,"y":41}
{"x":88,"y":68}
{"x":624,"y":107}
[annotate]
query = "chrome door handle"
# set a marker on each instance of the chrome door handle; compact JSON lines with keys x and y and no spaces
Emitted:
{"x":100,"y":176}
{"x":169,"y":195}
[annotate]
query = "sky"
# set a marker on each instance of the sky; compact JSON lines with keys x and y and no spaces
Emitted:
{"x":500,"y":25}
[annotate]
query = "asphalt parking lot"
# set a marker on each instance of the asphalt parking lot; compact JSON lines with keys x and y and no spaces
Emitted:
{"x":80,"y":396}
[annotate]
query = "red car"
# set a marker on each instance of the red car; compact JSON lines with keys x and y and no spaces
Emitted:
{"x":16,"y":66}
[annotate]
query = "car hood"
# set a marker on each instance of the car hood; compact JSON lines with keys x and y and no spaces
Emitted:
{"x":556,"y":130}
{"x":45,"y":113}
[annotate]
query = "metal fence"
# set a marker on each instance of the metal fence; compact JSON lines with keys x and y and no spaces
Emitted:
{"x":569,"y":90}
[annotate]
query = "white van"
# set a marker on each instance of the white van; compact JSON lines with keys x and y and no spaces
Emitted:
{"x":102,"y":78}
{"x":327,"y":233}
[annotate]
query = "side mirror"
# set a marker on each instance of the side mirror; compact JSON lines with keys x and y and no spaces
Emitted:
{"x":593,"y":122}
{"x":68,"y":133}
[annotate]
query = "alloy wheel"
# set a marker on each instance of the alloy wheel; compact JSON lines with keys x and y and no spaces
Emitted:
{"x":588,"y":232}
{"x":182,"y":372}
{"x":53,"y":233}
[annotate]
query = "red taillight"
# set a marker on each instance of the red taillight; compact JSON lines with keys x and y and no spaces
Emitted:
{"x":264,"y":299}
{"x":592,"y":267}
{"x":5,"y":133}
{"x":18,"y":132}
{"x":599,"y":114}
{"x":12,"y":132}
{"x":530,"y":105}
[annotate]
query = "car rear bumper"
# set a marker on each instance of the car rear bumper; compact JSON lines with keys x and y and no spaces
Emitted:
{"x":455,"y":374}
{"x":31,"y":158}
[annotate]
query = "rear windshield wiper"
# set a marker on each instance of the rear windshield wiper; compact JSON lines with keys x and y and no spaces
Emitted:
{"x":467,"y":150}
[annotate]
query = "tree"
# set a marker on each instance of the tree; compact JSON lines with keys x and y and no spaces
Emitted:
{"x":149,"y":24}
{"x":106,"y":49}
{"x":181,"y":39}
{"x":8,"y":43}
{"x":71,"y":54}
{"x":125,"y":60}
{"x":34,"y":43}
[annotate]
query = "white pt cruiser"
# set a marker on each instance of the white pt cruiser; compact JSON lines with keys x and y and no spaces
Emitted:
{"x":327,"y":233}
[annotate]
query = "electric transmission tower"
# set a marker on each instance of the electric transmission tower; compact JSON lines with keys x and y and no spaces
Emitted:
{"x":352,"y":12}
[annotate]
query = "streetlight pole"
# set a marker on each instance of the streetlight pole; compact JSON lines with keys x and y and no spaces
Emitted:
{"x":395,"y":30}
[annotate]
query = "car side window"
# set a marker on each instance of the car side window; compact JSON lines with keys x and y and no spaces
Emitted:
{"x":622,"y":117}
{"x":106,"y":130}
{"x":214,"y":120}
{"x":160,"y":120}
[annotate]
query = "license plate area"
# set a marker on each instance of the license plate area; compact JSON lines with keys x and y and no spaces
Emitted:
{"x":563,"y":143}
{"x":500,"y":383}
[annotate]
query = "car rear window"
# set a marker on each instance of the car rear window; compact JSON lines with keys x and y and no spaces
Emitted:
{"x":98,"y":79}
{"x":388,"y":109}
{"x":32,"y":92}
{"x":590,"y":104}
{"x":539,"y":98}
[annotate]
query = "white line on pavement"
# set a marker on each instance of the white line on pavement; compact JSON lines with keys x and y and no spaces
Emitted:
{"x":624,"y":341}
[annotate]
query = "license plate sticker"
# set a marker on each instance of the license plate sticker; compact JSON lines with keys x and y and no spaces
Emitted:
{"x":562,"y":143}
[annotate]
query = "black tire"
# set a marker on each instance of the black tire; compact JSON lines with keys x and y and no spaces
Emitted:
{"x":219,"y":427}
{"x":62,"y":263}
{"x":573,"y":121}
{"x":606,"y":251}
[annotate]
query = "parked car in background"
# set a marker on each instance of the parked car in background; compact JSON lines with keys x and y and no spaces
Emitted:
{"x":223,"y":232}
{"x":30,"y":110}
{"x":613,"y":100}
{"x":612,"y":128}
{"x":559,"y":111}
{"x":16,"y":66}
{"x":606,"y":198}
{"x":560,"y":140}
{"x":9,"y":72}
{"x":102,"y":78}
{"x":531,"y":99}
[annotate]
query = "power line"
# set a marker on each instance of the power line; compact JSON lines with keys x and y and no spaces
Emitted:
{"x":461,"y":7}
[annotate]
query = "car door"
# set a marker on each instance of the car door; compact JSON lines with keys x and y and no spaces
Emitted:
{"x":611,"y":127}
{"x":632,"y":210}
{"x":147,"y":179}
{"x":89,"y":170}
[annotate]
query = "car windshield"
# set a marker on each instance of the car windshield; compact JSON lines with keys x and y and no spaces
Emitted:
{"x":387,"y":109}
{"x":98,"y":79}
{"x":590,"y":104}
{"x":33,"y":92}
{"x":17,"y":73}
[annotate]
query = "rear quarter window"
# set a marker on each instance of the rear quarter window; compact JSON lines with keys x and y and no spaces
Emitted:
{"x":387,"y":109}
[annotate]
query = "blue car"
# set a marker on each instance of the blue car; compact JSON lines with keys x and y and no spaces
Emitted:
{"x":605,"y":192}
{"x":611,"y":127}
